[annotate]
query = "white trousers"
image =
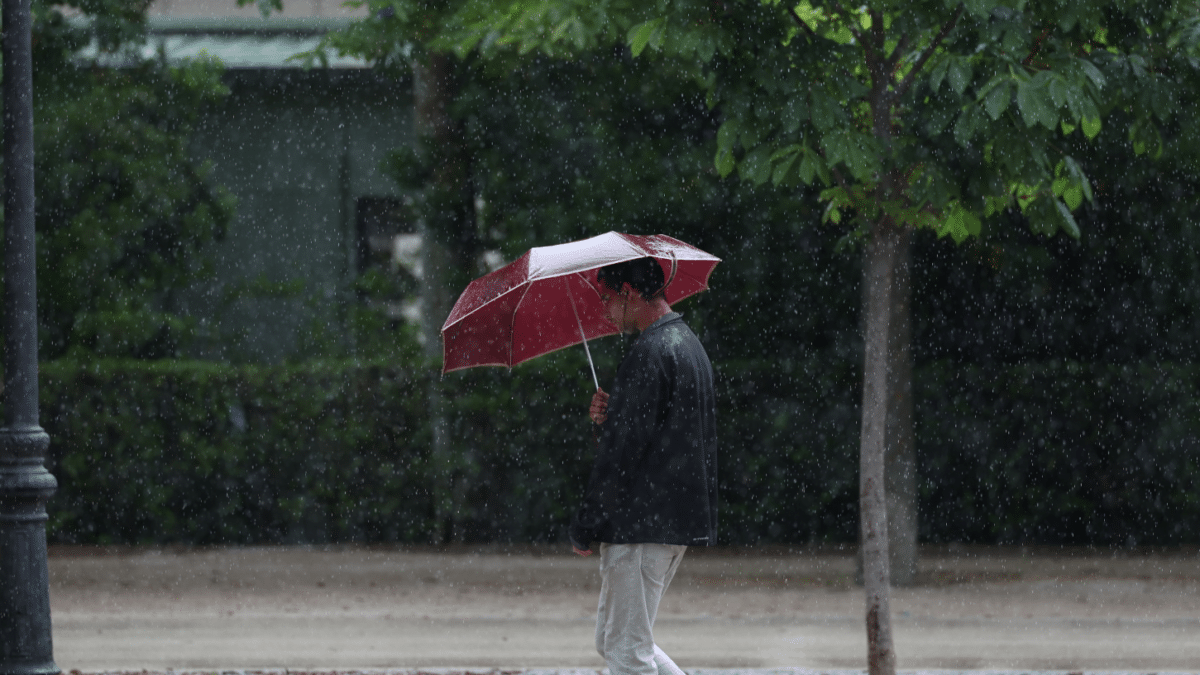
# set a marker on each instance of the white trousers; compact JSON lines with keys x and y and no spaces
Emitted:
{"x":632,"y":580}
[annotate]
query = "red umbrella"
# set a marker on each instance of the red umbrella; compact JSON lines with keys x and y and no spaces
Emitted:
{"x":549,"y":298}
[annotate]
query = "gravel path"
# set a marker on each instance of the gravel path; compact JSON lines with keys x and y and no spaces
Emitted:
{"x":773,"y":611}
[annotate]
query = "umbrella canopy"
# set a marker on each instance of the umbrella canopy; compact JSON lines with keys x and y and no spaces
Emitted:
{"x":549,"y":298}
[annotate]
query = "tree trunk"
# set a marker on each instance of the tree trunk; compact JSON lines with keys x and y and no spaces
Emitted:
{"x":896,"y":448}
{"x":447,"y":204}
{"x":882,"y":261}
{"x":433,"y":90}
{"x":900,"y":466}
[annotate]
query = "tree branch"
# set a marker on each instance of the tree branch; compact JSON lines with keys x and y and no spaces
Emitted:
{"x":898,"y":53}
{"x":807,"y":29}
{"x":872,"y":56}
{"x":850,"y":26}
{"x":1037,"y":47}
{"x":877,"y":30}
{"x":903,"y":87}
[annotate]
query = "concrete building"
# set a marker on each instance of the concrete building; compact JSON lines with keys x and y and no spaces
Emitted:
{"x":302,"y":151}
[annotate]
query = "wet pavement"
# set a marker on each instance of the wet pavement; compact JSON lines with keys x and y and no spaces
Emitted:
{"x":767,"y":611}
{"x":695,"y":671}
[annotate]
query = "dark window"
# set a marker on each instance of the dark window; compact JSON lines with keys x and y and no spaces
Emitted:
{"x":378,"y":220}
{"x":389,"y":256}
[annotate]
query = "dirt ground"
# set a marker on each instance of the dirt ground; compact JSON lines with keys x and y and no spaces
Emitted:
{"x":530,"y":607}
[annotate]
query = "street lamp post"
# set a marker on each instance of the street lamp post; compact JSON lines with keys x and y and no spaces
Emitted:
{"x":25,"y":485}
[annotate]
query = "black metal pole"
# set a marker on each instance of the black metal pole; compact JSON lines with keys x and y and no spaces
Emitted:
{"x":26,"y":647}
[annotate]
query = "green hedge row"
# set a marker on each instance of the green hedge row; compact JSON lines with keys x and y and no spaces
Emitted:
{"x":342,"y":451}
{"x":1060,"y":452}
{"x":206,"y":453}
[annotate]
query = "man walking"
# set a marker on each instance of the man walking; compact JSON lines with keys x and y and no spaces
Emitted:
{"x":653,"y":488}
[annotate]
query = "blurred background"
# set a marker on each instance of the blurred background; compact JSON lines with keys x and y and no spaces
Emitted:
{"x":249,"y":233}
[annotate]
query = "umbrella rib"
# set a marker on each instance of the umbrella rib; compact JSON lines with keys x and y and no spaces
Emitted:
{"x":512,"y":330}
{"x":588,"y":283}
{"x":582,"y":336}
{"x":481,"y":306}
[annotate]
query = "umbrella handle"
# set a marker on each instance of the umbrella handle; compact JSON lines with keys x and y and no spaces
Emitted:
{"x":674,"y":268}
{"x":579,"y":323}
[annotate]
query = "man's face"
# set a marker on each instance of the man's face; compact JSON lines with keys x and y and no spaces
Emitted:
{"x":616,"y":306}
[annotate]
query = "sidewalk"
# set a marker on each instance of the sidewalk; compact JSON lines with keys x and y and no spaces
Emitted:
{"x":520,"y":608}
{"x":590,"y":671}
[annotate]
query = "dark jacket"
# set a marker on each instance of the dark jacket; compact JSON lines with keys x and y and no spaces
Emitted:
{"x":655,"y":476}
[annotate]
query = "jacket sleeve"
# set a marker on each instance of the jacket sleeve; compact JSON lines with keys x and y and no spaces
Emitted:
{"x":635,"y":409}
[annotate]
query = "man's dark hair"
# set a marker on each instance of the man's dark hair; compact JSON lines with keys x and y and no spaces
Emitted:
{"x":645,"y":275}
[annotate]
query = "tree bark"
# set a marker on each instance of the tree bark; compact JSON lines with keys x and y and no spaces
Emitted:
{"x":900,"y":479}
{"x":900,"y":465}
{"x":433,"y":90}
{"x":887,"y":374}
{"x":442,"y":231}
{"x":882,"y":261}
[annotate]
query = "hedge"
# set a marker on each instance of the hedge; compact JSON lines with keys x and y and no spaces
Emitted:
{"x":205,"y":453}
{"x":1060,"y":452}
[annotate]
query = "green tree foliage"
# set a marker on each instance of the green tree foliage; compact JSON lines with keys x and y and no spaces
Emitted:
{"x":935,"y":114}
{"x":1120,"y":294}
{"x":124,"y":212}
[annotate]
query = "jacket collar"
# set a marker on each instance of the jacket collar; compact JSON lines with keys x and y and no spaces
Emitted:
{"x":663,"y":320}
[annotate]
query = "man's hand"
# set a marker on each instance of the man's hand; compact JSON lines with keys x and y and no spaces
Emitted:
{"x":599,"y":410}
{"x":577,"y":551}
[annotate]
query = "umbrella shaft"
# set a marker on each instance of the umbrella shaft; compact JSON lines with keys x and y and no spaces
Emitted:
{"x":571,"y":297}
{"x":589,"y":355}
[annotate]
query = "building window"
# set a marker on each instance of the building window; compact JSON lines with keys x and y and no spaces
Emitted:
{"x":389,"y":257}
